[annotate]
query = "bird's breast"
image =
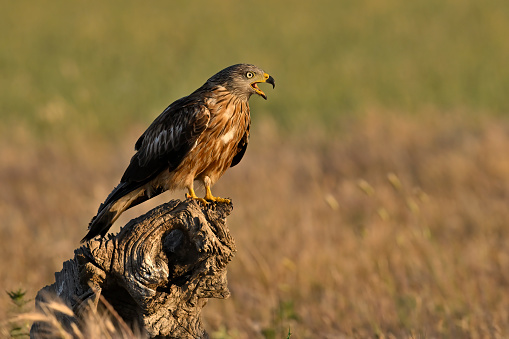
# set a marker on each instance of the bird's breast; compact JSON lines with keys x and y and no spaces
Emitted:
{"x":228,"y":136}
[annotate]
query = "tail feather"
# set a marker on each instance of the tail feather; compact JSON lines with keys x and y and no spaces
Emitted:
{"x":120,"y":199}
{"x":123,"y":197}
{"x":101,"y":223}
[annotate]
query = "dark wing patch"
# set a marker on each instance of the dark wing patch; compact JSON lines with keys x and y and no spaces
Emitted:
{"x":241,"y":148}
{"x":167,"y":140}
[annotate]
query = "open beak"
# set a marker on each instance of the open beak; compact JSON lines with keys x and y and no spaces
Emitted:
{"x":266,"y":78}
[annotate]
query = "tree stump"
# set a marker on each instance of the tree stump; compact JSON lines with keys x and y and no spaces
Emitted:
{"x":156,"y":273}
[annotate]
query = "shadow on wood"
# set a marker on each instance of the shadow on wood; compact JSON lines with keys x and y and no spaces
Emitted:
{"x":156,"y":273}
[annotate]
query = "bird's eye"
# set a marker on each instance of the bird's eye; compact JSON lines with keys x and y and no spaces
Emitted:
{"x":249,"y":75}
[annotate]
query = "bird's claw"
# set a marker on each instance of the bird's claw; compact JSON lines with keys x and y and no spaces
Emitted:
{"x":217,"y":199}
{"x":203,"y":201}
{"x":208,"y":197}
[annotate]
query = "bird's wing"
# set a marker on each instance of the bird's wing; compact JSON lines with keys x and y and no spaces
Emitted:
{"x":167,"y":140}
{"x":241,"y":148}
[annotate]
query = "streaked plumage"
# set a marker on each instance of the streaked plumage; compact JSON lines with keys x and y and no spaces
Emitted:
{"x":197,"y":137}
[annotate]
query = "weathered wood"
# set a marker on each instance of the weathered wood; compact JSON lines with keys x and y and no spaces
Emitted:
{"x":157,"y":272}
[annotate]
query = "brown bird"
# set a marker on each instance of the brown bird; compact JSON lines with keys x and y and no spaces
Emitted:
{"x":197,"y":137}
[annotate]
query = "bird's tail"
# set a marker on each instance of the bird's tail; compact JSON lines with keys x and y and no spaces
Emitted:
{"x":123,"y":197}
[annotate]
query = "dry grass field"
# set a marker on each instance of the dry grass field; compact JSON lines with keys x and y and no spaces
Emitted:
{"x":396,"y":226}
{"x":373,"y":198}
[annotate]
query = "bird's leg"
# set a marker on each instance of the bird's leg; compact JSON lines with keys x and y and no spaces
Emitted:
{"x":193,"y":195}
{"x":208,"y":195}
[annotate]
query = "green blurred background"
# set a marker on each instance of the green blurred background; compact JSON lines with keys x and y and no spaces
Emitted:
{"x":100,"y":66}
{"x":376,"y":183}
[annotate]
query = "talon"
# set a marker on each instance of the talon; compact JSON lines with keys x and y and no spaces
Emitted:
{"x":217,"y":199}
{"x":210,"y":197}
{"x":193,"y":195}
{"x":203,"y":201}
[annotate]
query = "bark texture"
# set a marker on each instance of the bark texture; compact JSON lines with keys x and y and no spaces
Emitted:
{"x":157,"y":272}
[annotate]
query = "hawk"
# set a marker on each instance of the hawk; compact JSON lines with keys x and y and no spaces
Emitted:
{"x":197,"y":137}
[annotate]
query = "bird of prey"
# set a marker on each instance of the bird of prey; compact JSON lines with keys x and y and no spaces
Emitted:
{"x":197,"y":137}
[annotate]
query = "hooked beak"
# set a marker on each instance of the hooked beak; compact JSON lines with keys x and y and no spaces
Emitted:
{"x":266,"y":78}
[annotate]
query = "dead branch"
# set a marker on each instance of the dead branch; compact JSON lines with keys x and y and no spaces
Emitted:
{"x":156,"y":273}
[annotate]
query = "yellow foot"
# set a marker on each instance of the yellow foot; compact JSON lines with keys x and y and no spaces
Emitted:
{"x":217,"y":199}
{"x":193,"y":195}
{"x":210,"y":197}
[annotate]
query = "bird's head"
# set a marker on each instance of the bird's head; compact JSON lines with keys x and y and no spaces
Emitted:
{"x":242,"y":80}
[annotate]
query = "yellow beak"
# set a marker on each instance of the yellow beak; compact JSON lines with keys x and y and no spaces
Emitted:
{"x":266,"y":78}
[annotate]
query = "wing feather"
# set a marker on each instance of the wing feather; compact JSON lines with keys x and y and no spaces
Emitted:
{"x":241,"y":148}
{"x":167,"y":140}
